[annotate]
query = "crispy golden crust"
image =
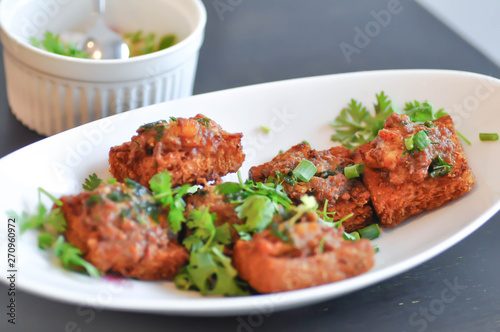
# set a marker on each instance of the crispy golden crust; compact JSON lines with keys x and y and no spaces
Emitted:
{"x":194,"y":150}
{"x":113,"y":239}
{"x":399,"y":182}
{"x":344,"y":195}
{"x":270,"y":265}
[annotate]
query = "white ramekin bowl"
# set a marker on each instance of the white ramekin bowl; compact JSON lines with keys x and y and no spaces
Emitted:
{"x":50,"y":93}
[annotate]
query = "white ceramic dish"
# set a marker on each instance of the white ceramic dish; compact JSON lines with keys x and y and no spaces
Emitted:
{"x":295,"y":110}
{"x":50,"y":93}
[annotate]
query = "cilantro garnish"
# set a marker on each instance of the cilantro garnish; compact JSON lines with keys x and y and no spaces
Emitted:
{"x":355,"y":125}
{"x":257,"y":211}
{"x":161,"y":185}
{"x":71,"y":258}
{"x":422,"y":112}
{"x":92,"y":182}
{"x":279,"y":177}
{"x":212,"y":273}
{"x":239,"y":191}
{"x":52,"y":225}
{"x":439,"y":167}
{"x":53,"y":44}
{"x":209,"y":270}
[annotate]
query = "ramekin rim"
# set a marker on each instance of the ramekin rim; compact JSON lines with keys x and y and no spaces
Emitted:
{"x":198,"y":30}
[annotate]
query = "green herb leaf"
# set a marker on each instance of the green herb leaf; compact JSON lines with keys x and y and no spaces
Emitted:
{"x":53,"y":44}
{"x":422,"y":112}
{"x":212,"y":273}
{"x":71,"y":259}
{"x":46,"y":240}
{"x":257,"y":211}
{"x":92,"y":182}
{"x":352,"y":126}
{"x":355,"y":125}
{"x":439,"y":167}
{"x":166,"y":42}
{"x":209,"y":270}
{"x":53,"y":221}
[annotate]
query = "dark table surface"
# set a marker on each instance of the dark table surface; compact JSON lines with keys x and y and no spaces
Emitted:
{"x":256,"y":41}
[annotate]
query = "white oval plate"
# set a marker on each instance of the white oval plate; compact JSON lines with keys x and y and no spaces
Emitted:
{"x":295,"y":110}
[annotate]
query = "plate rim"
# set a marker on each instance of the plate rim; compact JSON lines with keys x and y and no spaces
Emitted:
{"x":210,"y":306}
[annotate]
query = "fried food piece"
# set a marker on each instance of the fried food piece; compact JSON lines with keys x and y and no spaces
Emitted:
{"x":400,"y":181}
{"x":117,"y":232}
{"x":344,"y":195}
{"x":316,"y":255}
{"x":194,"y":150}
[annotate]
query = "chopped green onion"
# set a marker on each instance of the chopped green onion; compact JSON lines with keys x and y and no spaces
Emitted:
{"x":369,"y":232}
{"x":464,"y":138}
{"x":265,"y":129}
{"x":305,"y":170}
{"x":488,"y":136}
{"x":354,"y":171}
{"x":421,"y":140}
{"x":353,"y":236}
{"x":337,"y":224}
{"x":52,"y":198}
{"x":321,"y":245}
{"x":409,"y":143}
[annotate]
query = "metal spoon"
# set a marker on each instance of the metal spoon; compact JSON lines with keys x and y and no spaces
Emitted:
{"x":101,"y":42}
